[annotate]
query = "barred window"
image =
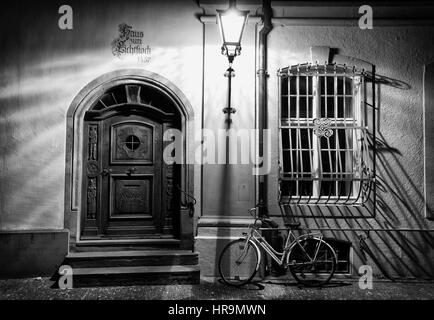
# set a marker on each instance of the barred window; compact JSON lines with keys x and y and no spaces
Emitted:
{"x":324,"y":153}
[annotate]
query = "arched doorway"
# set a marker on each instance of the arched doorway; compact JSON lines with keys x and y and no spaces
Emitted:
{"x":117,"y":185}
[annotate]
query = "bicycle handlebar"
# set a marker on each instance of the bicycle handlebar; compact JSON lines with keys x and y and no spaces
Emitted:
{"x":253,"y":213}
{"x":252,"y":210}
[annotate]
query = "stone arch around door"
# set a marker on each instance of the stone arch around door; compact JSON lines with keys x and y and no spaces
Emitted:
{"x":134,"y":112}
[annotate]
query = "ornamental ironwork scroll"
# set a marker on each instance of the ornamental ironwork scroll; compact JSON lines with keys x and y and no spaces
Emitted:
{"x":322,"y":127}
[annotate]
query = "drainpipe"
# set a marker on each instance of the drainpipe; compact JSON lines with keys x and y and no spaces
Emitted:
{"x":261,"y":180}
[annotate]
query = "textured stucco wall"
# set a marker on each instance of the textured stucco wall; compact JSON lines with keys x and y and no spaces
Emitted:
{"x":43,"y":68}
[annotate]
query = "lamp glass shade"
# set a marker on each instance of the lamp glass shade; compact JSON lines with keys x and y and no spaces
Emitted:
{"x":231,"y":23}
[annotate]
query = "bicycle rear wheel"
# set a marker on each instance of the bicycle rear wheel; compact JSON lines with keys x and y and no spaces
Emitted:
{"x":238,"y":262}
{"x":312,"y":262}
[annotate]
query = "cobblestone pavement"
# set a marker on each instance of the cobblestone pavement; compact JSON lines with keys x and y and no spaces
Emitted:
{"x":209,"y":288}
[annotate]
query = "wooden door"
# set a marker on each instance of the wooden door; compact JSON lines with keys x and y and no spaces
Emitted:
{"x":123,"y":179}
{"x":131,"y":182}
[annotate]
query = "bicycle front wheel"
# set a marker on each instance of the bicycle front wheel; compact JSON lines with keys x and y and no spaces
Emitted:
{"x":238,"y":262}
{"x":312,"y":262}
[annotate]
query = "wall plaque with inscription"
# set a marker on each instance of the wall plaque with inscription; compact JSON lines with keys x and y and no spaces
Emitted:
{"x":129,"y":43}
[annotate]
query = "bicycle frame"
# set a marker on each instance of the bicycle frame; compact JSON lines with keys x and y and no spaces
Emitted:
{"x":280,"y":257}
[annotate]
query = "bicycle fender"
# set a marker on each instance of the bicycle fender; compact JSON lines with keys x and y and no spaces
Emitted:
{"x":292,"y":245}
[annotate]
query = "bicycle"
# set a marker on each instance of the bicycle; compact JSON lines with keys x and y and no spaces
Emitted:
{"x":310,"y":259}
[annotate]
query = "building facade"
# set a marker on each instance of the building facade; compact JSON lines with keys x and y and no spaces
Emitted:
{"x":94,"y":93}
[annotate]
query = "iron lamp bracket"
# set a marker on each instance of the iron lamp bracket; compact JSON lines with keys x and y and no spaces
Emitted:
{"x":229,"y":110}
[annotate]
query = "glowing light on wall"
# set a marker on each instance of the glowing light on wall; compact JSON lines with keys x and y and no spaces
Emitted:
{"x":231,"y":23}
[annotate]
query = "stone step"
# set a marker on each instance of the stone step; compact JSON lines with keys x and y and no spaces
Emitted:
{"x":126,"y":244}
{"x":133,"y":258}
{"x":140,"y":275}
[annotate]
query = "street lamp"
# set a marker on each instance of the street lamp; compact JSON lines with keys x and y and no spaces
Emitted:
{"x":231,"y":24}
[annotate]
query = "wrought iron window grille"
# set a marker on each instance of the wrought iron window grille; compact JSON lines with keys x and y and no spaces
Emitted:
{"x":326,"y":135}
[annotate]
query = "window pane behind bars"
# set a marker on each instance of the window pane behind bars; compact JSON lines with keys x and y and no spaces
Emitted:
{"x":335,"y":97}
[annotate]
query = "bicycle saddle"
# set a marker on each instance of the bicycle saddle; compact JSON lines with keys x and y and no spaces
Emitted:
{"x":292,"y":225}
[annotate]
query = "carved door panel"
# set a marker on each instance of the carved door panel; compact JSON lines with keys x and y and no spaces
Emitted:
{"x":124,"y":178}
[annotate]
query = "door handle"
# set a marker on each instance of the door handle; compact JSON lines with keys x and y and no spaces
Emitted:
{"x":106,"y":171}
{"x":189,"y":204}
{"x":130,"y":171}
